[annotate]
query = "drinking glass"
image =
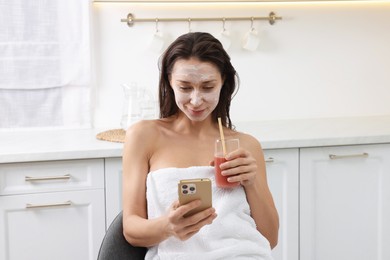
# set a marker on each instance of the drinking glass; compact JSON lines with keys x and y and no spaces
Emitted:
{"x":219,"y":158}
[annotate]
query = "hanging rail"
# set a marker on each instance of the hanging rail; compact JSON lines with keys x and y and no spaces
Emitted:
{"x":130,"y":20}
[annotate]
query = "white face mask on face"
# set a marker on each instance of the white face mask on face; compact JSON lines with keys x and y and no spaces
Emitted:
{"x":197,"y":86}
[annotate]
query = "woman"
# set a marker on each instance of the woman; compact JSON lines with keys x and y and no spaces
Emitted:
{"x":197,"y":82}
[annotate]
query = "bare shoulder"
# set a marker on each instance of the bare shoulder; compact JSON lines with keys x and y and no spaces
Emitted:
{"x":142,"y":136}
{"x":142,"y":129}
{"x":249,"y":142}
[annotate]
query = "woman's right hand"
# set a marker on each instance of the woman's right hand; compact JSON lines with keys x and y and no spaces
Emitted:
{"x":185,"y":227}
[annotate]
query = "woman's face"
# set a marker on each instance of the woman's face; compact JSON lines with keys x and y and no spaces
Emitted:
{"x":197,"y":86}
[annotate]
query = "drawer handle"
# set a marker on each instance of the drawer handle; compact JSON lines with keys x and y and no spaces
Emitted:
{"x":270,"y":160}
{"x":334,"y":156}
{"x":47,"y":178}
{"x":60,"y":204}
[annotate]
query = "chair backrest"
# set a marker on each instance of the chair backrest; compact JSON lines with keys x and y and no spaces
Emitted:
{"x":114,"y":245}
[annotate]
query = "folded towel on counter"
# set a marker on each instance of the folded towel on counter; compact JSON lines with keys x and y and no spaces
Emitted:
{"x":233,"y":233}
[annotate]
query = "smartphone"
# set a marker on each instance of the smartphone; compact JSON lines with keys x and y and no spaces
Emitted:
{"x":193,"y":189}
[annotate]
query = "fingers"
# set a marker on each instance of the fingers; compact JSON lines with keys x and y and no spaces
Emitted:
{"x":191,"y":230}
{"x":175,"y":204}
{"x":184,"y":209}
{"x":185,"y":227}
{"x":240,"y":167}
{"x":238,"y":162}
{"x":200,"y":216}
{"x":240,"y":152}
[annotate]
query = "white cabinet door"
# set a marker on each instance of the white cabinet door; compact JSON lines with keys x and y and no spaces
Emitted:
{"x":113,"y":179}
{"x":56,"y":225}
{"x":67,"y":175}
{"x":282,"y":174}
{"x":345,"y":203}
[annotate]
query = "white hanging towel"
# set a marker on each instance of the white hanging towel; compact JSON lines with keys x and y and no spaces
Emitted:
{"x":45,"y":67}
{"x":44,"y":44}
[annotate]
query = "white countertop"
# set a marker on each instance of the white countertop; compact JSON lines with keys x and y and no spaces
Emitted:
{"x":45,"y":145}
{"x":319,"y":132}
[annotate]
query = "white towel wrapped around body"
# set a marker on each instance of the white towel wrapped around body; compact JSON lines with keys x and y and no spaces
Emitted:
{"x":232,"y":235}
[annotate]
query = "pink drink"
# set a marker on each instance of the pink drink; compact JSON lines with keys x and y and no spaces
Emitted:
{"x":221,"y":180}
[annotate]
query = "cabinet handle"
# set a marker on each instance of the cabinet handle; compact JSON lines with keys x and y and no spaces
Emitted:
{"x":51,"y":205}
{"x":47,"y":178}
{"x":334,"y":156}
{"x":270,"y":160}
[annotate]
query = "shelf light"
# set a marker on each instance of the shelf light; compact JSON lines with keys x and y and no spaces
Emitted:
{"x":233,"y":1}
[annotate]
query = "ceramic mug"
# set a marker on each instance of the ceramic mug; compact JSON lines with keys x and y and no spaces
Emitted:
{"x":251,"y":40}
{"x":158,"y":42}
{"x":224,"y":38}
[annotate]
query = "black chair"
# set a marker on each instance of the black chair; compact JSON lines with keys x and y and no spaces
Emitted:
{"x":114,"y":245}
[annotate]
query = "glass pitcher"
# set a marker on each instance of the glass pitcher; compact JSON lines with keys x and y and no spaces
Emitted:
{"x":139,"y":103}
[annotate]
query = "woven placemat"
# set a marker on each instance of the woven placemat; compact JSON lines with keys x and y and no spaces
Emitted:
{"x":113,"y":135}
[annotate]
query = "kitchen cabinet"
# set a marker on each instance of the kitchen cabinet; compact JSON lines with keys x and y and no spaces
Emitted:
{"x":52,"y":210}
{"x":345,"y":202}
{"x":282,"y":175}
{"x":113,"y":182}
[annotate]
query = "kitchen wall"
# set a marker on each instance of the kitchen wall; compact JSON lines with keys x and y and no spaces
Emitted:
{"x":324,"y":59}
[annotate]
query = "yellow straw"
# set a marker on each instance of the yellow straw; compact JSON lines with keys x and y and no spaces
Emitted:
{"x":222,"y":136}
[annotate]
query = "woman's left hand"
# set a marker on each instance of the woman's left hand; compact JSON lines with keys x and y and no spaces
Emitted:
{"x":240,"y":166}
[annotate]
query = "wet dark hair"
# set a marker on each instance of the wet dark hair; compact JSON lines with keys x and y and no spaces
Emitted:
{"x":206,"y":48}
